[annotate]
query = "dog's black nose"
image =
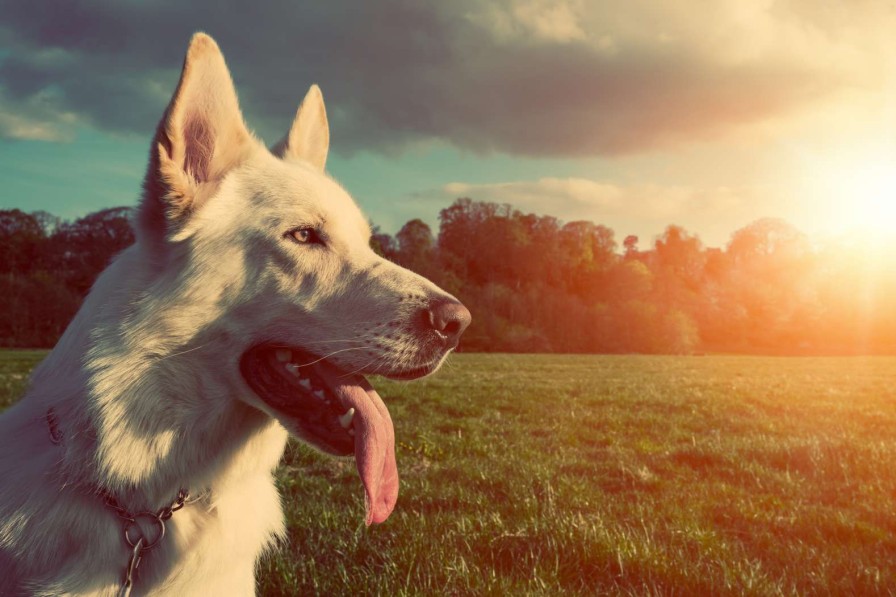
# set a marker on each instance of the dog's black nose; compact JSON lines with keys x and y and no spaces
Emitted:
{"x":449,"y":319}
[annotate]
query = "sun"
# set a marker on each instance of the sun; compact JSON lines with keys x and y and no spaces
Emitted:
{"x":868,"y":191}
{"x":854,"y":192}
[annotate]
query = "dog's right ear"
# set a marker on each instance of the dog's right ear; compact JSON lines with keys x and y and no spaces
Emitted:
{"x":200,"y":138}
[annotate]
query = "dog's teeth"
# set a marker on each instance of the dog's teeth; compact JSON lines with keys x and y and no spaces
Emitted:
{"x":294,"y":369}
{"x":346,"y":419}
{"x":284,"y":355}
{"x":305,"y":383}
{"x":319,"y":394}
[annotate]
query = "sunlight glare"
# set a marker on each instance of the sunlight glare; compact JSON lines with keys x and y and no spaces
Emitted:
{"x":857,"y":192}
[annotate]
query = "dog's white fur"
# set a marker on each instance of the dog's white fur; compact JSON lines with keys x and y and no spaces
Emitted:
{"x":145,"y":382}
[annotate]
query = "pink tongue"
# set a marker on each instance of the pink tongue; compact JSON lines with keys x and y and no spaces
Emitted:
{"x":374,"y":441}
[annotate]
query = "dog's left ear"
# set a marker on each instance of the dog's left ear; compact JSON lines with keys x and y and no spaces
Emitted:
{"x":308,"y":138}
{"x":200,"y":138}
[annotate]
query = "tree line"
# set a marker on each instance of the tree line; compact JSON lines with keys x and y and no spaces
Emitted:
{"x":536,"y":284}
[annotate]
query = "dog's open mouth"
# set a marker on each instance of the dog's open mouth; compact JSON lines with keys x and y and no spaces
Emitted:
{"x":337,"y":412}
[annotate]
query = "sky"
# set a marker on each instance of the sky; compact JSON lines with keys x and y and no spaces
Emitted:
{"x":633,"y":114}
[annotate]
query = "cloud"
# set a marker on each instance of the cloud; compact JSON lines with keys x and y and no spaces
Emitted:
{"x":532,"y":20}
{"x":523,"y":77}
{"x":35,"y":118}
{"x":584,"y":199}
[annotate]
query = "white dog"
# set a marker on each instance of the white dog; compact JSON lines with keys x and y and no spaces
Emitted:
{"x":141,"y":457}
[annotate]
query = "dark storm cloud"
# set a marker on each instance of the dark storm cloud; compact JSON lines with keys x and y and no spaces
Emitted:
{"x":392,"y":72}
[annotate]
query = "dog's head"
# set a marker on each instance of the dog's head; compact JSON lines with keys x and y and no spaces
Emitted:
{"x":276,"y":256}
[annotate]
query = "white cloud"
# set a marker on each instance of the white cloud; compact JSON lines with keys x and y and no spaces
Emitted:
{"x":580,"y":198}
{"x":36,"y":118}
{"x":528,"y":21}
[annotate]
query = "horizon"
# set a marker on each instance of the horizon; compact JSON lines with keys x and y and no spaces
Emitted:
{"x":877,"y":245}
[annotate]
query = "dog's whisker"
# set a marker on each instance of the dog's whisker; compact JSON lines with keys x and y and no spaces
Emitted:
{"x":177,"y":354}
{"x":307,"y":342}
{"x":379,"y":366}
{"x":325,"y":357}
{"x":364,"y":366}
{"x":332,"y":341}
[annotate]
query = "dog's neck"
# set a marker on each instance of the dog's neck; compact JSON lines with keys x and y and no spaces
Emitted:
{"x":143,"y":401}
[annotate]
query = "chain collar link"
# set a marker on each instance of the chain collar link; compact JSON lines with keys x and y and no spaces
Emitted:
{"x":136,"y":537}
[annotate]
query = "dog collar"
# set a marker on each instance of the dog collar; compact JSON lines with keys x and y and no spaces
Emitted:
{"x":139,"y":538}
{"x":136,"y":536}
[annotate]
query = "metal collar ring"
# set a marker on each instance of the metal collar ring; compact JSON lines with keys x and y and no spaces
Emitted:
{"x":133,"y":531}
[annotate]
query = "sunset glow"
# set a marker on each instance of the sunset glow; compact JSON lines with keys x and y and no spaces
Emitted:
{"x":855,"y":192}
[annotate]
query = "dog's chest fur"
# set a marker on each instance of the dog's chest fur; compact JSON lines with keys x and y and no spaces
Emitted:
{"x":74,"y":540}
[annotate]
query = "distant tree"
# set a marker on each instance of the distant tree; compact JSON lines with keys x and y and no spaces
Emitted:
{"x":630,"y":244}
{"x":768,"y":238}
{"x":590,"y":252}
{"x":534,"y":283}
{"x":382,"y":243}
{"x":680,"y":252}
{"x":539,"y":258}
{"x":676,"y":334}
{"x":48,"y":222}
{"x":771,"y":275}
{"x":415,"y":238}
{"x":484,"y":242}
{"x":634,"y":326}
{"x":87,"y":245}
{"x":34,"y":309}
{"x":677,"y":263}
{"x":630,"y":280}
{"x":22,"y":241}
{"x":416,"y":248}
{"x":456,"y":235}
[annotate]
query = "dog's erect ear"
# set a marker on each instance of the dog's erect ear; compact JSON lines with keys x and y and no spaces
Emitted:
{"x":199,"y":139}
{"x":309,"y":137}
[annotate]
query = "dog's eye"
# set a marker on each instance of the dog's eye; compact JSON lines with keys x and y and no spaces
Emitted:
{"x":304,"y":236}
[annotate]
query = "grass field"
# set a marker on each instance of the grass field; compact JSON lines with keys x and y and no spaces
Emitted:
{"x":549,"y":475}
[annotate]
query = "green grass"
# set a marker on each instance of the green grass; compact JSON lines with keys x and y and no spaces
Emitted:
{"x":546,"y":475}
{"x":15,"y":366}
